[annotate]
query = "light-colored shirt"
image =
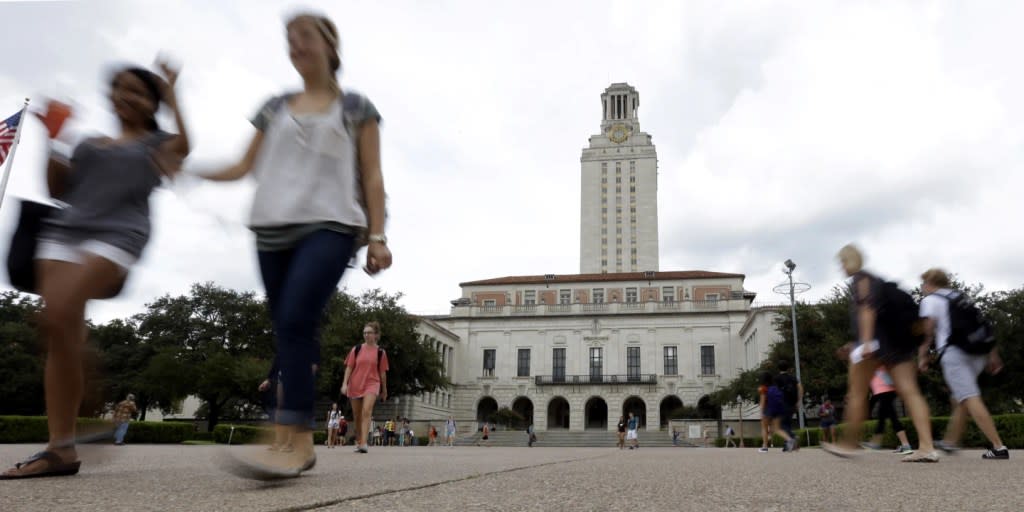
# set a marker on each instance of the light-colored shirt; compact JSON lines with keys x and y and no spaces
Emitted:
{"x":307,"y":170}
{"x":936,"y":306}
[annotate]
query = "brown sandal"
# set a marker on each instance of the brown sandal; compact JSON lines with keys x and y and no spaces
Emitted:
{"x":55,"y":466}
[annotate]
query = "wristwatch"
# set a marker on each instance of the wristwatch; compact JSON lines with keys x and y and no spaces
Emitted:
{"x":380,"y":239}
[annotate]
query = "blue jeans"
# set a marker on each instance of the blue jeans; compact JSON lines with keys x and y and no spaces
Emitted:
{"x":299,"y":283}
{"x":120,"y":432}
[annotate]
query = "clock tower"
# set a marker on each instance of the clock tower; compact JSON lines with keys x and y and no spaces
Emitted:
{"x":619,"y":185}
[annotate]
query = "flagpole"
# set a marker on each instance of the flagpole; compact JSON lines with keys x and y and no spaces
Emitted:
{"x":10,"y":156}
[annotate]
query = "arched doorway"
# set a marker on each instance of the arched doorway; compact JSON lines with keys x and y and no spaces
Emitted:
{"x":638,"y":407}
{"x":558,"y":413}
{"x":524,"y":407}
{"x":595,"y":414}
{"x":486,"y":408}
{"x":707,"y":409}
{"x":669,"y":404}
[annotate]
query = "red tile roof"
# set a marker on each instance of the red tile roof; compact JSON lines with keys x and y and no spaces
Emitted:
{"x":595,"y":278}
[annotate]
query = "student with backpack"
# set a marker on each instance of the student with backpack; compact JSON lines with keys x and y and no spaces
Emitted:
{"x":885,"y":321}
{"x":366,"y":371}
{"x":319,"y":196}
{"x":775,"y":409}
{"x":792,"y":390}
{"x":966,"y":347}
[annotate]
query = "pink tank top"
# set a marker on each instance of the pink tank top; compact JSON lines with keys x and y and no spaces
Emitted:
{"x":881,"y":382}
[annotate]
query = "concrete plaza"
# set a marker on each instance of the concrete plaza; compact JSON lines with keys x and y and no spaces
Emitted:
{"x":186,"y":478}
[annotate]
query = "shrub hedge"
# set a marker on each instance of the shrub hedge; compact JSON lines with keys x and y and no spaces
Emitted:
{"x":32,"y":429}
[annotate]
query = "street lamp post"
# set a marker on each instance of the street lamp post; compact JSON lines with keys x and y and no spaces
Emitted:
{"x":794,"y":289}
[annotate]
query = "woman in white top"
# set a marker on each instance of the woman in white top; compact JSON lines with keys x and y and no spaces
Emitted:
{"x":333,"y":424}
{"x":316,"y":160}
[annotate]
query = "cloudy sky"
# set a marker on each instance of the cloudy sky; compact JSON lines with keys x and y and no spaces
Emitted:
{"x":783,"y":129}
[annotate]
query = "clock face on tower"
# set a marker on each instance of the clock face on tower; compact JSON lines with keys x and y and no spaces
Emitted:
{"x":618,"y":134}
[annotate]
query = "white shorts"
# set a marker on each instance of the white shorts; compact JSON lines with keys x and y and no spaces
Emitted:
{"x":61,"y":251}
{"x":961,"y":371}
{"x":631,"y":434}
{"x":333,"y":425}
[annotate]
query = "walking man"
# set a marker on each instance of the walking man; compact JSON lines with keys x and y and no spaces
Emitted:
{"x":960,"y":368}
{"x":123,"y":414}
{"x":631,"y":427}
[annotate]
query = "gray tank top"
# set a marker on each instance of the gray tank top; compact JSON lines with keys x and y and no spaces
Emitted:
{"x":108,"y":194}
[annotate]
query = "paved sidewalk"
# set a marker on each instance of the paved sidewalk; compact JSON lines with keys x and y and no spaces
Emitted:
{"x":185,"y":478}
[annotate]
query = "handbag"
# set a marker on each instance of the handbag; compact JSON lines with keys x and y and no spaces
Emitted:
{"x":21,"y":264}
{"x":21,"y":257}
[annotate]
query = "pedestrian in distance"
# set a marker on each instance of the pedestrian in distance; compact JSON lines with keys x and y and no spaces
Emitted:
{"x":621,"y":432}
{"x":632,"y":426}
{"x":124,"y":412}
{"x":883,"y":393}
{"x":365,"y":381}
{"x":827,"y":419}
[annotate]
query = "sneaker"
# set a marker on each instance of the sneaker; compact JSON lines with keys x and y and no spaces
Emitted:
{"x":949,"y":448}
{"x":871,"y":446}
{"x":789,"y":446}
{"x":839,"y":451}
{"x":904,"y":450}
{"x":1000,"y":454}
{"x":762,"y":450}
{"x":932,"y":456}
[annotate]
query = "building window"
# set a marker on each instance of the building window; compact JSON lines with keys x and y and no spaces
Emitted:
{"x":558,"y":365}
{"x":632,"y":179}
{"x":618,"y":231}
{"x":598,"y":293}
{"x":529,"y":297}
{"x":630,"y":294}
{"x":596,"y":364}
{"x":711,"y":297}
{"x":489,"y":356}
{"x":707,"y":360}
{"x":604,"y":166}
{"x":490,"y":303}
{"x":564,"y":296}
{"x":671,"y":361}
{"x":604,"y":231}
{"x":604,"y":209}
{"x":633,"y":364}
{"x":632,"y":190}
{"x":523,"y":363}
{"x":668,"y":294}
{"x":618,"y":179}
{"x":604,"y":263}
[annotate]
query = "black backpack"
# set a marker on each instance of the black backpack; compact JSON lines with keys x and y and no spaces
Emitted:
{"x":969,"y":330}
{"x":788,"y":385}
{"x":898,"y":320}
{"x":380,"y":354}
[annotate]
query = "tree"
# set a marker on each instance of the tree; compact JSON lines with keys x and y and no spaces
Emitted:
{"x":221,"y":340}
{"x":1004,"y":393}
{"x":823,"y":328}
{"x":21,"y":361}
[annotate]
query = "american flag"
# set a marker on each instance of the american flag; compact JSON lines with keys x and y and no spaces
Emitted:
{"x":8,"y":129}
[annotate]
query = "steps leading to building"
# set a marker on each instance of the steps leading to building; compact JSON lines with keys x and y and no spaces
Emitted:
{"x":565,"y":438}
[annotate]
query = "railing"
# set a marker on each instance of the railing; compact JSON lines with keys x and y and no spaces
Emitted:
{"x":549,"y":380}
{"x":668,"y":307}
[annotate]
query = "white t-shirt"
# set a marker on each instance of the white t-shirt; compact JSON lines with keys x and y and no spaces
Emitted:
{"x":936,"y":306}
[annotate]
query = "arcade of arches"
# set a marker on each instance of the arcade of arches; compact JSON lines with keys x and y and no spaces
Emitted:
{"x":596,"y":412}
